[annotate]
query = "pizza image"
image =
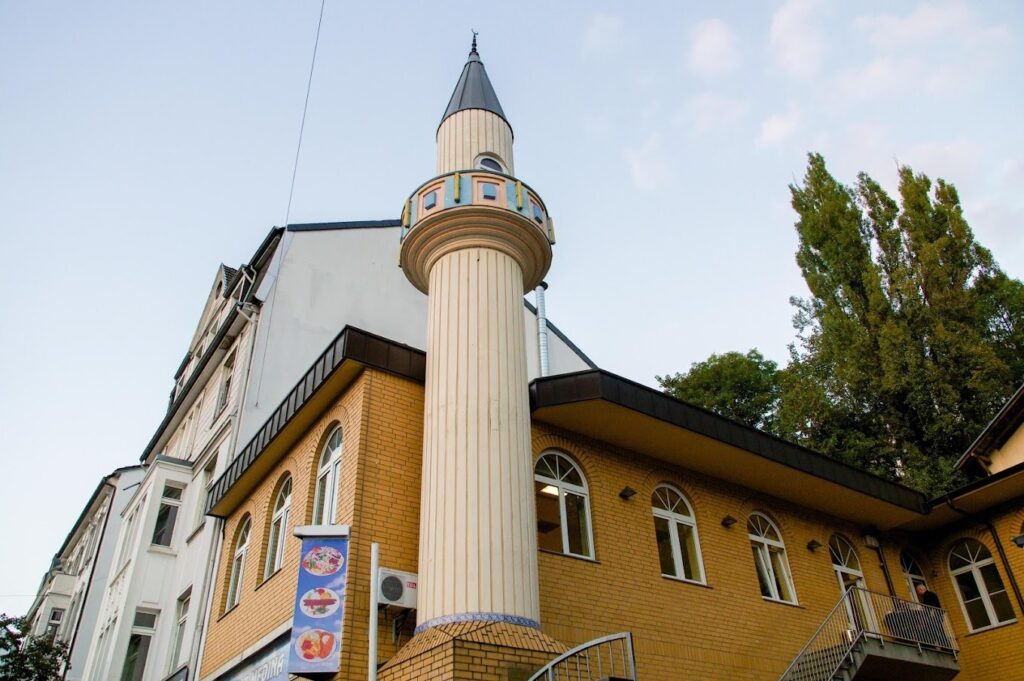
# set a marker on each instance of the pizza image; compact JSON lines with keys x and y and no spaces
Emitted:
{"x":322,"y":561}
{"x":315,"y":644}
{"x":319,"y":602}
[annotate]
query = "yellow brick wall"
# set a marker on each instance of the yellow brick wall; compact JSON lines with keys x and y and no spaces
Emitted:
{"x":723,"y":630}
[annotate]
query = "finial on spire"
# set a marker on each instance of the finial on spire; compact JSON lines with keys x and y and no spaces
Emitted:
{"x":473,"y":48}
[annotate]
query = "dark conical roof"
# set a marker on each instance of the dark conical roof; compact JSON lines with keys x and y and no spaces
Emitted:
{"x":474,"y":89}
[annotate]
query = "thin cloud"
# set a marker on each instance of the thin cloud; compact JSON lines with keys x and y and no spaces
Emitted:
{"x":795,"y":41}
{"x":602,"y":36}
{"x":709,"y":111}
{"x":778,"y":128}
{"x":649,"y":168}
{"x":928,"y":22}
{"x":713,"y":49}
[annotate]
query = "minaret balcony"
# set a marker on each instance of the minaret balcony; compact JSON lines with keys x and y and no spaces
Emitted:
{"x":475,"y":208}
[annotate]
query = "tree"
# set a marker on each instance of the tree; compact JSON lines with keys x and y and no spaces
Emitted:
{"x":28,"y":658}
{"x":911,"y":338}
{"x":741,"y":387}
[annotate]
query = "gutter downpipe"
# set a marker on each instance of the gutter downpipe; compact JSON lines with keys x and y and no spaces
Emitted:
{"x":987,"y":522}
{"x":542,"y":329}
{"x":92,"y":572}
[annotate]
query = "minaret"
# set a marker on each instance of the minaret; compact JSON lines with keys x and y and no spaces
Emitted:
{"x":474,"y":239}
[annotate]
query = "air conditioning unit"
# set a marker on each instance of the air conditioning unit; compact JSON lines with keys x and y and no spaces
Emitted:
{"x":396,"y":588}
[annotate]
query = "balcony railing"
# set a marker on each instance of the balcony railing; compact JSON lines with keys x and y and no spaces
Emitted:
{"x":609,"y":658}
{"x":862,"y":614}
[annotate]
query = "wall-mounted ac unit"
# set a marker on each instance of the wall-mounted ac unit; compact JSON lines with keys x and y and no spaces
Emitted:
{"x":396,"y":588}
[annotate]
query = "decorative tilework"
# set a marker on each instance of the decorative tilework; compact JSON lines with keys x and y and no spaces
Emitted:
{"x":478,"y":617}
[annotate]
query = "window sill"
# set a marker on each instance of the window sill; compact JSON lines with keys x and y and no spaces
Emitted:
{"x":777,"y":601}
{"x":195,"y":532}
{"x":269,"y":577}
{"x":691,"y":582}
{"x":160,"y":548}
{"x":228,"y":611}
{"x":585,"y":559}
{"x":989,"y":628}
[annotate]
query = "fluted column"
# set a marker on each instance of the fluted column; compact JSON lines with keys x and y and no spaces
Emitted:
{"x":478,"y":527}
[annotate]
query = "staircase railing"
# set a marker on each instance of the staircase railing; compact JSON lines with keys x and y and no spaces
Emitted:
{"x":609,"y":658}
{"x":863,"y":614}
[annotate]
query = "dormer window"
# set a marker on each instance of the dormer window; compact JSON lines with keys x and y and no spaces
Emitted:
{"x":489,"y":163}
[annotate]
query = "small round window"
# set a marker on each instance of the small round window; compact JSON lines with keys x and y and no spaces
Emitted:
{"x":488,"y":163}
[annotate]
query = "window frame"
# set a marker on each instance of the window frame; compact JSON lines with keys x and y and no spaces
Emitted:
{"x":224,"y":389}
{"x":763,"y":547}
{"x":182,"y":607}
{"x":141,"y":631}
{"x":565,"y":488}
{"x":911,"y":577}
{"x":278,"y":528}
{"x":479,"y":165}
{"x":674,"y":518}
{"x":171,"y":503}
{"x":974,"y":568}
{"x":328,"y":472}
{"x":236,"y":571}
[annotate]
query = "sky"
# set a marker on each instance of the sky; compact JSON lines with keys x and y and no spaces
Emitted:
{"x":142,"y":144}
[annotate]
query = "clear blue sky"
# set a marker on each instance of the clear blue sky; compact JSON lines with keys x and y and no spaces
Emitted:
{"x":143,"y":143}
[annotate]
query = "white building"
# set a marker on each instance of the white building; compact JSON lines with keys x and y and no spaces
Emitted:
{"x":68,"y":601}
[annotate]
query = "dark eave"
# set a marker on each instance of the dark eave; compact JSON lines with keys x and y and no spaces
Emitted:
{"x":638,"y":418}
{"x":997,"y":432}
{"x":352,"y":224}
{"x":97,"y":493}
{"x":976,"y":499}
{"x":338,"y":365}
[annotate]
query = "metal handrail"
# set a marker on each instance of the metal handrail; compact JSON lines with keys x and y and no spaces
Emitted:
{"x":863,"y":614}
{"x":579,"y":665}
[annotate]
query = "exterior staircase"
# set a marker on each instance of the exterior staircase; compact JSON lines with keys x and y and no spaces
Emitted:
{"x":869,"y":636}
{"x":609,"y":658}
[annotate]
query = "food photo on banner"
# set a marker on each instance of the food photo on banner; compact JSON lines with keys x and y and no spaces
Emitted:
{"x":319,"y":605}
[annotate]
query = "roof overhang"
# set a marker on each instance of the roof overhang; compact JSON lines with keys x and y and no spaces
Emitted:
{"x":637,"y":418}
{"x":996,"y":433}
{"x":331,"y":374}
{"x":973,"y":499}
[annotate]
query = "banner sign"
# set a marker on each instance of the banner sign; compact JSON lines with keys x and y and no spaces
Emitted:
{"x":319,"y":606}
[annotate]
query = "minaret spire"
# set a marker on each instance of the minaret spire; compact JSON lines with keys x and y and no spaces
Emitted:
{"x":472,"y":49}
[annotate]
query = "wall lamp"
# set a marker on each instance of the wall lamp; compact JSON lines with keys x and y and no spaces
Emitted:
{"x":728,"y":521}
{"x":1019,"y":541}
{"x":627,"y":493}
{"x":813,"y":545}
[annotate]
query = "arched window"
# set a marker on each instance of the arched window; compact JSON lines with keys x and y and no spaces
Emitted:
{"x":490,"y":163}
{"x":675,"y":531}
{"x":846,"y":565}
{"x":978,"y":585}
{"x":278,"y":528}
{"x":563,"y":506}
{"x":913,"y":574}
{"x":238,"y":564}
{"x":770,"y":559}
{"x":325,"y":500}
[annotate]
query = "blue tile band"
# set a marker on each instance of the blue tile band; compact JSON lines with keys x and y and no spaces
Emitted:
{"x":478,"y":617}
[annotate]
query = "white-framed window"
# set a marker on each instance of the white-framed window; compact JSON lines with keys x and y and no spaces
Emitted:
{"x":143,"y":630}
{"x":912,"y":574}
{"x":207,"y":478}
{"x":978,"y":585}
{"x":53,"y":623}
{"x":167,"y":515}
{"x":675,"y":531}
{"x":129,"y":533}
{"x":278,"y":528}
{"x":563,"y":506}
{"x":846,"y":565}
{"x":770,"y":559}
{"x":238,"y":564}
{"x":224,"y":392}
{"x":325,"y":499}
{"x":184,"y":601}
{"x":489,"y":162}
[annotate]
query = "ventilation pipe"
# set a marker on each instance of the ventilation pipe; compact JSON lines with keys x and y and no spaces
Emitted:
{"x":542,"y":329}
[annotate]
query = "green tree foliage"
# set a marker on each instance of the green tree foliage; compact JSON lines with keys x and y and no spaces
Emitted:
{"x":28,"y":658}
{"x":741,"y":387}
{"x":910,"y":341}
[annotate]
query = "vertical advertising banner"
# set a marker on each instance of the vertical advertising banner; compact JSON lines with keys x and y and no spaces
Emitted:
{"x":319,"y":606}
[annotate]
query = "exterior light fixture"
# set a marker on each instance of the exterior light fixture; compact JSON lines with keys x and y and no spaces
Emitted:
{"x":627,"y":493}
{"x":549,"y":489}
{"x":728,"y":521}
{"x":1019,"y":541}
{"x":870,"y":536}
{"x":813,"y":545}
